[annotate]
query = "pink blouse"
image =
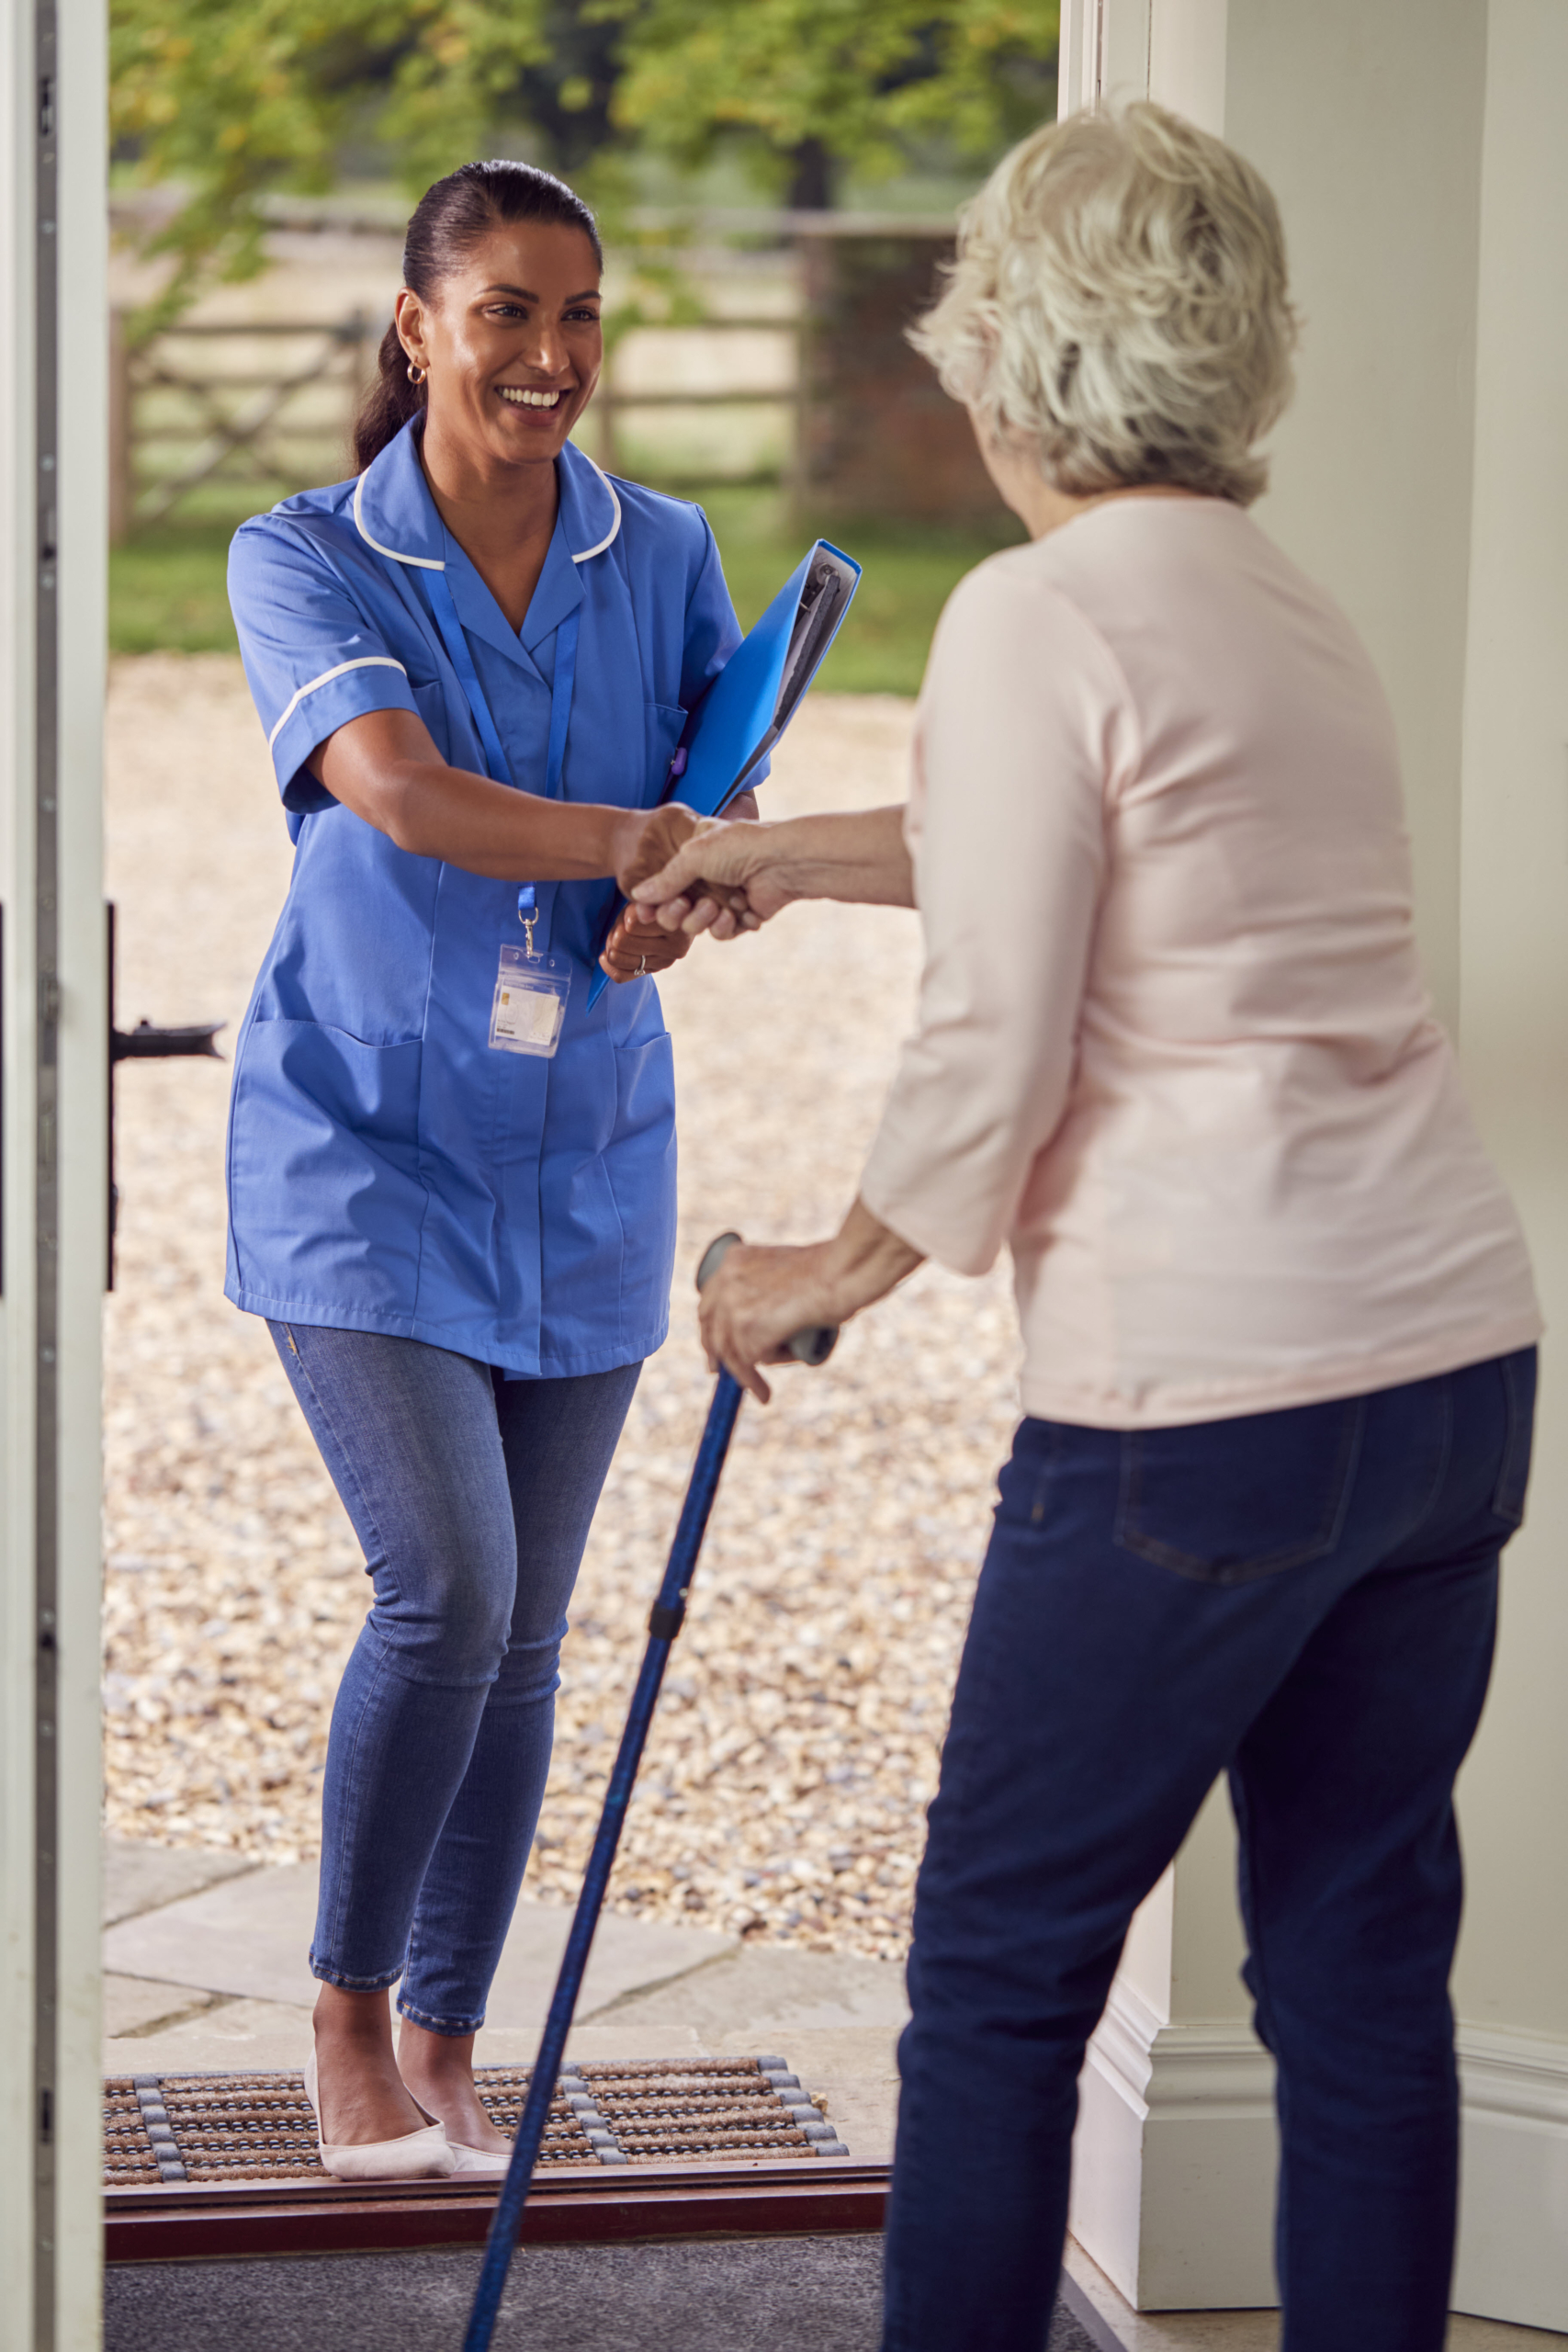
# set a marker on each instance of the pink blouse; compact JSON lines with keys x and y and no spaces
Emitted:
{"x":1174,"y":1045}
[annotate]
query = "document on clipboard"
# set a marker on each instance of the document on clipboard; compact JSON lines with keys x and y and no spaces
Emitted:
{"x":756,"y":693}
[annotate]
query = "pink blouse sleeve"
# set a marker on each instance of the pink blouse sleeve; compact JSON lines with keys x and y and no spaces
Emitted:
{"x":1025,"y":726}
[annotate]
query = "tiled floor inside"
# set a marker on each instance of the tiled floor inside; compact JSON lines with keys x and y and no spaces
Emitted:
{"x":1254,"y":2331}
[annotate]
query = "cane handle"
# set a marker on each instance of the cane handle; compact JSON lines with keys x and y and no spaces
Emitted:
{"x":813,"y":1347}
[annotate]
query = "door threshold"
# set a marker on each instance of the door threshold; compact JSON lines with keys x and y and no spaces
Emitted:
{"x":186,"y":2222}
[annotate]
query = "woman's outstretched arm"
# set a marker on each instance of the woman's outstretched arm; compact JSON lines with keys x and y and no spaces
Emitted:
{"x":858,"y":855}
{"x":386,"y":768}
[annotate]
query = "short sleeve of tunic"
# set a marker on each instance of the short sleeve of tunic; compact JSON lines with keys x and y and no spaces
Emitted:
{"x":313,"y":659}
{"x":711,"y":633}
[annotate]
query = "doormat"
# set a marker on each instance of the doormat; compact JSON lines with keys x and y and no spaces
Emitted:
{"x":259,"y":2126}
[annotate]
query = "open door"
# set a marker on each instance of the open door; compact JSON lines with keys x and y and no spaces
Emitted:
{"x":53,"y":387}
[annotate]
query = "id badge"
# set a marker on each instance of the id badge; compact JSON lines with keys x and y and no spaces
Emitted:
{"x":530,"y":1002}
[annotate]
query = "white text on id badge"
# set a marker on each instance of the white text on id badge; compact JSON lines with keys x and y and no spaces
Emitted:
{"x":530,"y":1002}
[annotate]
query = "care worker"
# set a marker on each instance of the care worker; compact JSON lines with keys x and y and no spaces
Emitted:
{"x":1174,"y":1048}
{"x":452,"y":1178}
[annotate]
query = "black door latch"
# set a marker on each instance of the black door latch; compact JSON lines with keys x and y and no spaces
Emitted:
{"x":145,"y":1043}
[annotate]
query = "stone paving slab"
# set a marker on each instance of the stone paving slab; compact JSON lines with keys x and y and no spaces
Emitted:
{"x":249,"y":1936}
{"x":228,"y":2037}
{"x":795,"y":1990}
{"x":140,"y":1877}
{"x":216,"y":1980}
{"x":138,"y":2004}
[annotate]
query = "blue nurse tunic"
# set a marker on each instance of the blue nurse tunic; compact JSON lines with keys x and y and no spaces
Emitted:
{"x":389,"y":1170}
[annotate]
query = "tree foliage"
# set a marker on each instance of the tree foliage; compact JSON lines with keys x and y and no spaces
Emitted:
{"x":857,"y":81}
{"x":232,"y":100}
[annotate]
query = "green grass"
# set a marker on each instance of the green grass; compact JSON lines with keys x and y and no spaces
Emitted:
{"x":166,"y":591}
{"x":908,"y":574}
{"x":166,"y":586}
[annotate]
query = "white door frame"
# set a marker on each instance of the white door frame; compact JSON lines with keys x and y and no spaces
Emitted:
{"x":1115,"y":50}
{"x":53,"y":463}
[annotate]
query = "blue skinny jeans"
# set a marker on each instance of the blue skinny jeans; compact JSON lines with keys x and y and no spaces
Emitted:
{"x":472,"y":1496}
{"x":1306,"y":1600}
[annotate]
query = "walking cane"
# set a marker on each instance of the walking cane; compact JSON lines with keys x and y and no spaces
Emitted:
{"x":812,"y":1347}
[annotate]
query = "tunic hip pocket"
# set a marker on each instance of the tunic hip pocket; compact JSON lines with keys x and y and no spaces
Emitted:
{"x":324,"y":1159}
{"x":367,"y":1093}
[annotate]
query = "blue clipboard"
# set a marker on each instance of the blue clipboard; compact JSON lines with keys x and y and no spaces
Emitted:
{"x":755,"y":695}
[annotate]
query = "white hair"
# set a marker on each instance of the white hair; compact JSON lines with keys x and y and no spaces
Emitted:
{"x":1118,"y":302}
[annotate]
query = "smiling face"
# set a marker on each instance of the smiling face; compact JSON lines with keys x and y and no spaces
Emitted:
{"x":512,"y":344}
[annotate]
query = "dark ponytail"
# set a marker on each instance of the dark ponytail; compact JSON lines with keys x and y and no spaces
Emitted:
{"x":387,"y":405}
{"x":448,"y":221}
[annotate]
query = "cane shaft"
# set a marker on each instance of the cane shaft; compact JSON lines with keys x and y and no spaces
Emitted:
{"x":664,"y":1624}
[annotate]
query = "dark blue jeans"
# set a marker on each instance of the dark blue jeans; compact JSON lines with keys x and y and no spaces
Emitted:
{"x":1305,"y":1599}
{"x":472,"y":1496}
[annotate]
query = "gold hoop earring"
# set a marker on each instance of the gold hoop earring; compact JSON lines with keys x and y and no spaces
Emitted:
{"x":417,"y":375}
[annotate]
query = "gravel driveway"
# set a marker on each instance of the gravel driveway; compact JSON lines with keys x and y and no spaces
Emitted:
{"x":795,"y":1748}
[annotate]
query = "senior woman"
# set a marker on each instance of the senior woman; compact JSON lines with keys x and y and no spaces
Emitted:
{"x":1173,"y":1047}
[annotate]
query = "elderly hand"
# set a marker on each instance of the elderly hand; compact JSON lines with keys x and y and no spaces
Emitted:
{"x":753,"y":1306}
{"x":759,"y":1299}
{"x":727,"y":878}
{"x":724,"y":878}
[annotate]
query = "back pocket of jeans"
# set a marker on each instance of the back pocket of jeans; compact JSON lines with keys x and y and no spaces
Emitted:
{"x":1228,"y":1501}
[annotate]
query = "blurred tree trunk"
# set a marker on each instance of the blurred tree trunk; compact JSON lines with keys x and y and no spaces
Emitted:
{"x":811,"y":172}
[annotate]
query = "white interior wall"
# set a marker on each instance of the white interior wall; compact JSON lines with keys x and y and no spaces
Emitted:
{"x":1422,"y":474}
{"x":1512,"y":1980}
{"x":1513,"y":1961}
{"x":1366,"y":118}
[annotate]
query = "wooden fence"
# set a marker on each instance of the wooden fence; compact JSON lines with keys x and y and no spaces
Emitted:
{"x":825,"y":396}
{"x":204,"y":414}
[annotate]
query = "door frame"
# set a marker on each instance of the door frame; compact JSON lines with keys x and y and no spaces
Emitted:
{"x":53,"y":517}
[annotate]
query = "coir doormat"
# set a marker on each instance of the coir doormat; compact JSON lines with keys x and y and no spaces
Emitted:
{"x":259,"y":2126}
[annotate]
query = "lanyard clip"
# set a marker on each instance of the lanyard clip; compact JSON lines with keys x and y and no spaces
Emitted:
{"x":527,"y":914}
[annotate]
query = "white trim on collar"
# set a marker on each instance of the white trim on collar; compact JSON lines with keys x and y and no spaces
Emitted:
{"x":424,"y":562}
{"x":614,"y":531}
{"x":435,"y":563}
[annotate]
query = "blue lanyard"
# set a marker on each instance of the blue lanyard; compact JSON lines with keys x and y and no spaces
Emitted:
{"x":457,"y":644}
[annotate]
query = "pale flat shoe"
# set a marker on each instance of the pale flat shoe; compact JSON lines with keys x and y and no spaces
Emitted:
{"x":492,"y":2161}
{"x":425,"y":2155}
{"x":469,"y":2159}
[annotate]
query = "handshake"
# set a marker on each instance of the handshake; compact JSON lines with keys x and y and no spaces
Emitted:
{"x":684,"y":875}
{"x":687,"y":875}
